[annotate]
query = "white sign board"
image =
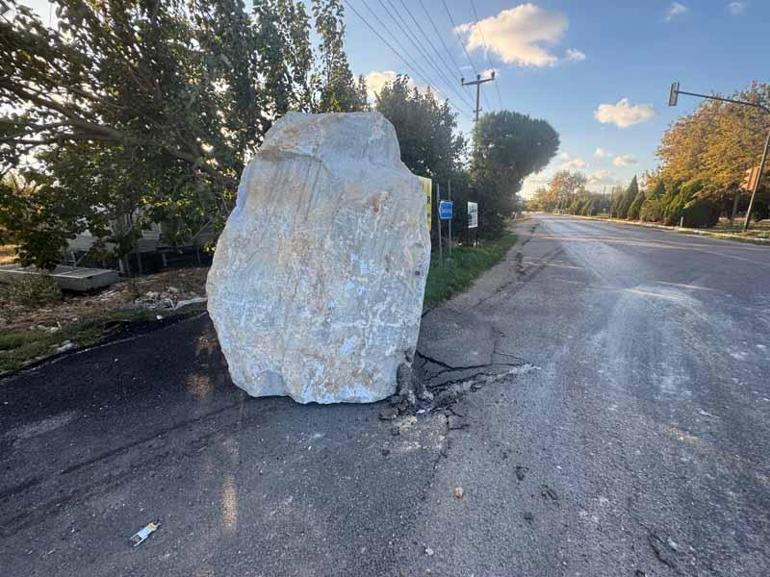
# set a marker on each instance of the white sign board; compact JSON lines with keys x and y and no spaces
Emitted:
{"x":473,"y":215}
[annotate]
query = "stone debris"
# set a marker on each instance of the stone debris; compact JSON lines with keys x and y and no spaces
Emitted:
{"x":549,"y":493}
{"x":664,"y":549}
{"x":521,"y":472}
{"x":388,"y":413}
{"x":458,"y":492}
{"x":317,"y":283}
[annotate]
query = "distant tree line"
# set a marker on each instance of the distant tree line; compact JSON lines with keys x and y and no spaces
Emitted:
{"x":703,"y":159}
{"x":152,"y":109}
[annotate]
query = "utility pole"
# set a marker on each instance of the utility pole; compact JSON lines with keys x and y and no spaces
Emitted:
{"x":477,"y":83}
{"x":450,"y":220}
{"x":756,"y":184}
{"x":673,"y":99}
{"x":438,"y":219}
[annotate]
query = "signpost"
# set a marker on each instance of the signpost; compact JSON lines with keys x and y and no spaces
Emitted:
{"x":473,"y":214}
{"x":427,"y":187}
{"x":445,"y":209}
{"x":473,"y":221}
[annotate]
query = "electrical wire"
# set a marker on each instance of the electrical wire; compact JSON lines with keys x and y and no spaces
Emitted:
{"x":402,"y":24}
{"x":486,"y":49}
{"x":433,"y":46}
{"x":397,"y":53}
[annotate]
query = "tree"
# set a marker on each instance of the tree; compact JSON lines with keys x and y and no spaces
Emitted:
{"x":507,"y":147}
{"x":624,"y":199}
{"x":430,"y":143}
{"x":426,"y":129}
{"x":637,"y":198}
{"x":564,"y":189}
{"x":339,"y":90}
{"x":716,"y":144}
{"x":137,"y":110}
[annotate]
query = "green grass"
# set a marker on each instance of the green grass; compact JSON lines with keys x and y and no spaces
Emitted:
{"x":22,"y":347}
{"x":468,"y":262}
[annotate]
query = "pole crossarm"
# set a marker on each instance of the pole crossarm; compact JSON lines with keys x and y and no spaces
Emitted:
{"x":477,"y":83}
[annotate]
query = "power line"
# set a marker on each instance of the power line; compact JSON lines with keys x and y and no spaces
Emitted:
{"x":433,"y":46}
{"x":457,"y":35}
{"x":486,"y":49}
{"x":441,"y":38}
{"x":415,"y":66}
{"x":414,"y":39}
{"x":396,"y":52}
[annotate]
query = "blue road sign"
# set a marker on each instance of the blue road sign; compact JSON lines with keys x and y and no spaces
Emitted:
{"x":445,"y":208}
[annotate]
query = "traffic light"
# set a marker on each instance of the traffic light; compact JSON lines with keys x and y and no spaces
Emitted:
{"x":673,"y":96}
{"x":750,"y":178}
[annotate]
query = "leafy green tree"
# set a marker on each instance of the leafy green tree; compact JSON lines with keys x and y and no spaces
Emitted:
{"x":623,"y":202}
{"x":636,"y":204}
{"x":716,"y":144}
{"x":339,"y":92}
{"x":139,"y":110}
{"x":430,"y":142}
{"x":507,"y":147}
{"x":427,"y":132}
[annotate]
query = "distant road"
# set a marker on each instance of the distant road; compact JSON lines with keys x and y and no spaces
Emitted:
{"x":631,"y":437}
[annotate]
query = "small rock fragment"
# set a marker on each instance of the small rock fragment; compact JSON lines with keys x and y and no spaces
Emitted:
{"x":548,"y":492}
{"x":665,"y":553}
{"x":388,"y":413}
{"x":521,"y":472}
{"x":429,"y":551}
{"x":459,"y":492}
{"x":456,"y":423}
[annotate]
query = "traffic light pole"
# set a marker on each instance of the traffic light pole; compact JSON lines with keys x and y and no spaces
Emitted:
{"x":757,"y":182}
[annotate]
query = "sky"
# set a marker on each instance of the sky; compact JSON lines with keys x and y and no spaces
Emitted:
{"x":598,"y":70}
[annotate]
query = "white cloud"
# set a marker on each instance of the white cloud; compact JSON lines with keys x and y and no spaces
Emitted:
{"x":575,"y":55}
{"x":676,"y":9}
{"x":532,"y":183}
{"x":376,"y":80}
{"x":736,"y":8}
{"x":624,"y":114}
{"x":517,"y":35}
{"x":570,"y":163}
{"x":624,"y":160}
{"x":601,"y":178}
{"x":601,"y":152}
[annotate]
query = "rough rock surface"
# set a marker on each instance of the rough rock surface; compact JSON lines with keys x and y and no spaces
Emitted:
{"x":317,"y":283}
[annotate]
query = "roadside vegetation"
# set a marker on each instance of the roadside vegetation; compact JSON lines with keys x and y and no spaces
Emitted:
{"x":38,"y":321}
{"x":139,"y":114}
{"x":457,"y":274}
{"x":703,"y":161}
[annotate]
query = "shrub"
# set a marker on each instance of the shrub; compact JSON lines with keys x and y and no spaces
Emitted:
{"x":651,"y":210}
{"x":760,"y":211}
{"x":32,"y":289}
{"x":701,"y":213}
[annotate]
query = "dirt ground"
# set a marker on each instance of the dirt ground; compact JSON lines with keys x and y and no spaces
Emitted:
{"x":33,"y":330}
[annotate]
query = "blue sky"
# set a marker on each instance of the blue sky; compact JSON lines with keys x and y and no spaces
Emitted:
{"x":573,"y":63}
{"x":619,"y":50}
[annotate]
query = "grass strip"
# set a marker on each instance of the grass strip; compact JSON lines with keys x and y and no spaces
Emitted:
{"x":467,"y":263}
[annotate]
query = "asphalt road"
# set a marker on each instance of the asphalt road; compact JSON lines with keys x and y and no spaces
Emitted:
{"x":626,"y":431}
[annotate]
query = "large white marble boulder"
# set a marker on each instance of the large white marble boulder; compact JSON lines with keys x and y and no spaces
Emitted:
{"x":317,"y":283}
